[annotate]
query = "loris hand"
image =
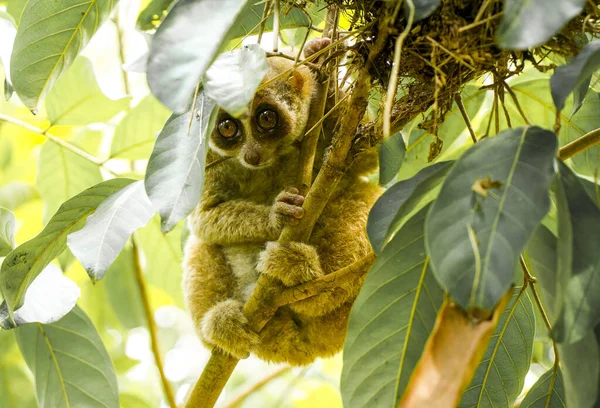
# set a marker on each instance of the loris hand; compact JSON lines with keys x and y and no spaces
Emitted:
{"x":287,"y":208}
{"x":225,"y":326}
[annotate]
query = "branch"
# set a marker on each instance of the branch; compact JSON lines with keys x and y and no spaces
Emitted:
{"x":141,"y":283}
{"x":579,"y":145}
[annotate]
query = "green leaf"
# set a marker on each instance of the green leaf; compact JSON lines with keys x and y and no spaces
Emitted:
{"x":579,"y":260}
{"x":26,"y":261}
{"x":580,"y":364}
{"x":185,"y":44}
{"x":8,"y":31}
{"x":579,"y":94}
{"x":423,"y":8}
{"x":540,"y":257}
{"x":535,"y":99}
{"x":390,"y":321}
{"x":107,"y":230}
{"x":63,"y":174}
{"x":135,"y":134}
{"x":527,"y":24}
{"x":500,"y":376}
{"x":69,"y":362}
{"x":7,"y":231}
{"x":391,"y":155}
{"x":77,"y":100}
{"x":233,"y":78}
{"x":567,"y":77}
{"x":49,"y":37}
{"x":248,"y":22}
{"x":475,"y":233}
{"x":50,"y":297}
{"x":15,"y":194}
{"x":123,"y":291}
{"x":153,"y":14}
{"x":175,"y":173}
{"x":401,"y":200}
{"x":547,"y":392}
{"x":162,"y":252}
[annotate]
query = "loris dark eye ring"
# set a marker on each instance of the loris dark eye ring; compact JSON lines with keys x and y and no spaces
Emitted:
{"x":228,"y":128}
{"x":267,"y":119}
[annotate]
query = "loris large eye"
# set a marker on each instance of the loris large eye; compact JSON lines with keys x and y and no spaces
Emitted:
{"x":228,"y":128}
{"x":267,"y":119}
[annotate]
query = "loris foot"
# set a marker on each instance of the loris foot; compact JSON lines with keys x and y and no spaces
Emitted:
{"x":225,"y":326}
{"x":288,"y":207}
{"x":292,"y":263}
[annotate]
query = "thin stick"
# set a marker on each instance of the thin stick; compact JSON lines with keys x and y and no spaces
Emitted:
{"x":453,"y":55}
{"x":579,"y":145}
{"x":393,"y":82}
{"x":141,"y":283}
{"x":124,"y":73}
{"x":516,"y":101}
{"x":275,"y":25}
{"x":478,"y":23}
{"x":465,"y":116}
{"x":258,"y":385}
{"x":52,"y":138}
{"x":263,"y":21}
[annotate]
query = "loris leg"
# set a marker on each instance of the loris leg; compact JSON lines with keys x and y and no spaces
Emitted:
{"x":209,"y":288}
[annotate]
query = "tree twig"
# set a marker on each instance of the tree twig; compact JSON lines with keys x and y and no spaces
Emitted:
{"x":256,"y":386}
{"x":465,"y":116}
{"x":579,"y":145}
{"x":141,"y":283}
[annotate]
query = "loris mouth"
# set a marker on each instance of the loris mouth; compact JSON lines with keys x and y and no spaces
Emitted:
{"x":256,"y":166}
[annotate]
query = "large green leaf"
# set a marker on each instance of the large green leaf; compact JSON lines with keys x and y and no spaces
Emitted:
{"x":185,"y":44}
{"x":402,"y":199}
{"x":163,"y":256}
{"x":62,"y":174}
{"x":579,"y":71}
{"x":77,"y":100}
{"x":391,"y":155}
{"x":531,"y":23}
{"x":107,"y":230}
{"x":233,"y":78}
{"x":7,"y":231}
{"x":153,"y":14}
{"x":26,"y":261}
{"x":50,"y":35}
{"x":578,"y":259}
{"x":135,"y":134}
{"x":490,"y":204}
{"x":390,"y":321}
{"x":69,"y":362}
{"x":547,"y":392}
{"x":175,"y":173}
{"x":500,"y":376}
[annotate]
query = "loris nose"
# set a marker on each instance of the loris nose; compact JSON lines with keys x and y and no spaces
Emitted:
{"x":252,"y":158}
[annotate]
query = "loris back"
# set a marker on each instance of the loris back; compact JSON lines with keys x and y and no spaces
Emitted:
{"x":247,"y":200}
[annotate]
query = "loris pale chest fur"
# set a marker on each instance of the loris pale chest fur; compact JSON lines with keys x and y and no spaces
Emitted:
{"x":247,"y":200}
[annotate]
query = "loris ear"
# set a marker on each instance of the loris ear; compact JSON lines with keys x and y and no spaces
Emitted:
{"x":301,"y":81}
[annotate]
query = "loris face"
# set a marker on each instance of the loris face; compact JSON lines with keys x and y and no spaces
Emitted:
{"x":274,"y":122}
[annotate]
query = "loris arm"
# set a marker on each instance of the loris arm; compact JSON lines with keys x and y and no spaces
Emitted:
{"x":235,"y":221}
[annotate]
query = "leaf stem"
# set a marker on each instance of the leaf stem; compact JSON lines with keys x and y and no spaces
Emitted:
{"x":579,"y":145}
{"x":515,"y":100}
{"x":141,"y":283}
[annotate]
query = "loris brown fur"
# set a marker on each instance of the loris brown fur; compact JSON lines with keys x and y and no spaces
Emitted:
{"x":246,"y":202}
